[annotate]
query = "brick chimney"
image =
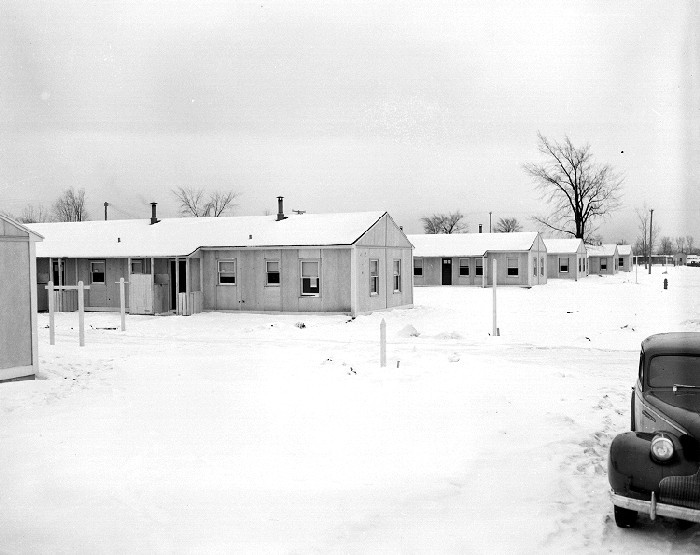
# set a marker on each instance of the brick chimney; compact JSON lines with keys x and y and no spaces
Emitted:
{"x":480,"y":227}
{"x":280,"y":209}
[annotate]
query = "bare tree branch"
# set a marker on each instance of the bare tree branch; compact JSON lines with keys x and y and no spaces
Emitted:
{"x":70,"y":206}
{"x":508,"y":225}
{"x":444,"y":223}
{"x":195,"y":202}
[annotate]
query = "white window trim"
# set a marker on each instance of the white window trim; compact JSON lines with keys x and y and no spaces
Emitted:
{"x":465,"y":266}
{"x":301,"y":277}
{"x":104,"y":272}
{"x":479,"y":266}
{"x":567,"y":264}
{"x":395,"y":275}
{"x":267,"y":273}
{"x":373,"y":278}
{"x":509,"y":267}
{"x":415,"y":259}
{"x":235,"y":271}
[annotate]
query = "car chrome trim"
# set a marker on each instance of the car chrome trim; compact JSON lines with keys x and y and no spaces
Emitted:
{"x":666,"y":420}
{"x":653,"y":508}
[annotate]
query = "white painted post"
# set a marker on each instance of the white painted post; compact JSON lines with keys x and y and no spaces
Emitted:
{"x":122,"y":302}
{"x":81,"y":313}
{"x":494,"y":280}
{"x":52,"y":327}
{"x":382,"y":343}
{"x":636,"y":271}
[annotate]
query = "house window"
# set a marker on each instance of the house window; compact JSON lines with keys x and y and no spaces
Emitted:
{"x":463,"y":266}
{"x":227,"y":272}
{"x":479,"y":267}
{"x":136,"y":266}
{"x":272,"y":272}
{"x":417,"y":266}
{"x":310,"y":278}
{"x":564,"y":265}
{"x":603,"y":264}
{"x":541,"y":266}
{"x":97,"y":271}
{"x":512,"y":264}
{"x":374,"y":277}
{"x":397,"y":276}
{"x":534,"y":266}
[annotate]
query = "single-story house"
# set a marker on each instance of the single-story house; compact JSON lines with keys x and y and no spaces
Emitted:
{"x":566,"y":258}
{"x":467,"y":258}
{"x":19,"y":357}
{"x":680,"y":259}
{"x":602,"y":259}
{"x":340,"y":263}
{"x":624,"y":258}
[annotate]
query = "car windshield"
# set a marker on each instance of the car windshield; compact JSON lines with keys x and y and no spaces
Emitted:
{"x":670,"y":370}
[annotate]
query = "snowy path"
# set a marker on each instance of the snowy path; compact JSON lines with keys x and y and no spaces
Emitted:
{"x":246,"y":433}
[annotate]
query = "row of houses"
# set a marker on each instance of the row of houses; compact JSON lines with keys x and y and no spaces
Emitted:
{"x":332,"y":263}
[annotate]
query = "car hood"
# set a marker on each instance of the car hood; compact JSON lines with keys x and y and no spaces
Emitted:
{"x":683,"y":407}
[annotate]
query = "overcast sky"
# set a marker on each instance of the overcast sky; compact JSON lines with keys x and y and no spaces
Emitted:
{"x":413,"y":107}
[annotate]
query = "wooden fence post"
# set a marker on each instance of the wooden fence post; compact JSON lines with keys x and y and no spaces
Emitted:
{"x":52,"y":325}
{"x":122,"y":303}
{"x":81,"y":313}
{"x":382,"y":343}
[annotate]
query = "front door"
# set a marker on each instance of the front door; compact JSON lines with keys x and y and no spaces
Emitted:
{"x":173,"y":282}
{"x":447,"y":271}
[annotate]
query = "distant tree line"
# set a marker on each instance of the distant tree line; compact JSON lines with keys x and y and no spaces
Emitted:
{"x":68,"y":207}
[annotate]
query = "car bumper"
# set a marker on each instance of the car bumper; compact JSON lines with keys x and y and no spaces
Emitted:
{"x":654,"y":508}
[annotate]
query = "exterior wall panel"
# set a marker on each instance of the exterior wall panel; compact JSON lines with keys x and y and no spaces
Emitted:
{"x":15,"y":298}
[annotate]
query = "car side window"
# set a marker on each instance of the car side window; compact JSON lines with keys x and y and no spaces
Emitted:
{"x":641,"y":368}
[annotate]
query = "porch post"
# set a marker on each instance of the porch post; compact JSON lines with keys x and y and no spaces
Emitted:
{"x":177,"y":285}
{"x":353,"y":281}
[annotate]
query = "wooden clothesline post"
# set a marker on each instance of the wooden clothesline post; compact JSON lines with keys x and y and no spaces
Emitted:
{"x":81,"y":309}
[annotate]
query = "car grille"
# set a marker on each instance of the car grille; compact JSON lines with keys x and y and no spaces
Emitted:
{"x":683,"y":491}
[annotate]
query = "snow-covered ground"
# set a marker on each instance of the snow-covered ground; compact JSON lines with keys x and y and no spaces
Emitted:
{"x":245,"y":433}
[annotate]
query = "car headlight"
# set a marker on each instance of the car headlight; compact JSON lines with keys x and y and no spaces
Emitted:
{"x":661,"y":448}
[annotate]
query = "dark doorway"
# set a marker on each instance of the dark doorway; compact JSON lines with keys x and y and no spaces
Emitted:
{"x":183,"y":282}
{"x":447,"y":271}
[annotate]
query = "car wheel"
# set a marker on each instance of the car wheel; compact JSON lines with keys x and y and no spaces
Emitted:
{"x":633,"y":426}
{"x":625,"y":518}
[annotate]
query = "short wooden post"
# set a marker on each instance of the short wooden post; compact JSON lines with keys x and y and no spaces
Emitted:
{"x":81,"y":313}
{"x":122,"y":302}
{"x":52,"y":326}
{"x":494,"y":280}
{"x":382,"y":343}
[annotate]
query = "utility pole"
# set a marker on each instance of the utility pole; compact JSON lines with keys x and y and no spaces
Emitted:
{"x":651,"y":220}
{"x":489,"y":222}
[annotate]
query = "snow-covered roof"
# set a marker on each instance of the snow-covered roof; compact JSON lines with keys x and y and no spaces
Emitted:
{"x":624,"y":250}
{"x":601,"y":250}
{"x":182,"y":236}
{"x":471,"y":244}
{"x":562,"y":245}
{"x":10,"y":226}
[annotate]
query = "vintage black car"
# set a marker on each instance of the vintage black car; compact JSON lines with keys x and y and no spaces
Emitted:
{"x":655,"y":468}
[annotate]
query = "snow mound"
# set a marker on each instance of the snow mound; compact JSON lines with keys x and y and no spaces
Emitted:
{"x":408,"y":331}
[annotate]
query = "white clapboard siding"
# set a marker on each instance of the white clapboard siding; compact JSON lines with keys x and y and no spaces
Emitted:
{"x":140,"y":294}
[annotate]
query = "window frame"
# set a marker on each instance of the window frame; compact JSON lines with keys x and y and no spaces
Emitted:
{"x":269,"y":283}
{"x":541,"y":266}
{"x":604,"y":261}
{"x":465,"y":266}
{"x":534,"y":267}
{"x":396,"y":267}
{"x":562,"y":271}
{"x":141,"y":262}
{"x":509,"y":268}
{"x":373,"y":277}
{"x":420,"y":267}
{"x":316,"y":261}
{"x":104,"y":272}
{"x":220,"y":272}
{"x":479,"y":267}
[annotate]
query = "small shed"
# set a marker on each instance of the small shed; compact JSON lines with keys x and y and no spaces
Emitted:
{"x":566,"y":258}
{"x":602,"y":259}
{"x":680,"y":259}
{"x":18,"y":299}
{"x":467,"y":258}
{"x":342,"y":263}
{"x":624,"y":258}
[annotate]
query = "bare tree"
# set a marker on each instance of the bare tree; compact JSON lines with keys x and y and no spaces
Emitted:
{"x":197,"y":203}
{"x":508,"y":225}
{"x":689,"y":241}
{"x":70,"y":206}
{"x":444,"y":223}
{"x":665,"y":245}
{"x":34,"y":214}
{"x":579,"y":191}
{"x":680,"y":244}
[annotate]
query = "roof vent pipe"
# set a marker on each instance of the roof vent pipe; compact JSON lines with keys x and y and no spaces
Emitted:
{"x":106,"y":205}
{"x":480,"y":226}
{"x":154,"y":220}
{"x":280,"y":209}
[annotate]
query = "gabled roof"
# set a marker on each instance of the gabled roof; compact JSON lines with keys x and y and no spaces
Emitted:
{"x":624,"y":250}
{"x":471,"y":244}
{"x":601,"y":250}
{"x":182,"y":236}
{"x":11,"y":227}
{"x":563,"y":245}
